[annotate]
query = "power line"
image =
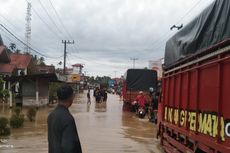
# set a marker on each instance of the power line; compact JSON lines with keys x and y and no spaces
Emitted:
{"x":18,"y":20}
{"x":186,"y":14}
{"x":9,"y":39}
{"x":65,"y":43}
{"x":167,"y":34}
{"x":47,"y":25}
{"x":96,"y":62}
{"x":49,"y":16}
{"x":189,"y":11}
{"x":25,"y":43}
{"x":134,"y":61}
{"x":9,"y":22}
{"x":58,"y":17}
{"x":63,"y":25}
{"x":10,"y":28}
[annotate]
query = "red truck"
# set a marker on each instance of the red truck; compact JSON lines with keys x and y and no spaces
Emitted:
{"x":136,"y":80}
{"x":194,"y":106}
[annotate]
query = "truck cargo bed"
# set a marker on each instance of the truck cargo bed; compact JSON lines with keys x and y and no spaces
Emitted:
{"x":194,"y":112}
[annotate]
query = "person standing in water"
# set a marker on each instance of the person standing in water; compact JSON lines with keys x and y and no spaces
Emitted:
{"x":62,"y":131}
{"x":88,"y":96}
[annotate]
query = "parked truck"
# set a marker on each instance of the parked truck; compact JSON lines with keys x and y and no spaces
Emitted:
{"x":194,"y":106}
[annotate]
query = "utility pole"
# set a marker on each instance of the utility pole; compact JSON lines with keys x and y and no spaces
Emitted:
{"x":65,"y":42}
{"x":134,"y":60}
{"x":115,"y":72}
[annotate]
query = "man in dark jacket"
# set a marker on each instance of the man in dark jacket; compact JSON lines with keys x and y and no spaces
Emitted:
{"x":62,"y":131}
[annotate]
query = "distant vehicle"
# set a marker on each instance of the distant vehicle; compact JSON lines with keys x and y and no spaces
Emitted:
{"x":137,"y":80}
{"x":193,"y":111}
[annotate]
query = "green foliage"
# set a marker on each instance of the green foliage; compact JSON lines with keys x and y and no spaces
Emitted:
{"x":99,"y":79}
{"x":31,"y":114}
{"x":17,"y":119}
{"x":3,"y":93}
{"x":1,"y":80}
{"x":35,"y":62}
{"x":53,"y":90}
{"x":17,"y":111}
{"x":4,"y":126}
{"x":3,"y":122}
{"x":8,"y":50}
{"x":42,"y":61}
{"x":12,"y":46}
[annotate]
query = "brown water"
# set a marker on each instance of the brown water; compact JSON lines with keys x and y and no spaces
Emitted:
{"x":102,"y":128}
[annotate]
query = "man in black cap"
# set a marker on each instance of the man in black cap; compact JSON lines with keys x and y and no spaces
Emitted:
{"x":62,"y":131}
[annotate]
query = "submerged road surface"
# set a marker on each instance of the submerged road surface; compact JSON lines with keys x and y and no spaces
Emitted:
{"x":102,"y":128}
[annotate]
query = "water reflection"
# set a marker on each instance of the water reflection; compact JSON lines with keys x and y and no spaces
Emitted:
{"x":102,"y":127}
{"x":101,"y":107}
{"x":88,"y":104}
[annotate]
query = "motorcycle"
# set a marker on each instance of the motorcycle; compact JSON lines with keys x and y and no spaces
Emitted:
{"x":140,"y":112}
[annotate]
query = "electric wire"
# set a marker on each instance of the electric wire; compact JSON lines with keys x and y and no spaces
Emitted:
{"x":47,"y":25}
{"x":167,"y":34}
{"x":25,"y":43}
{"x":60,"y":20}
{"x":47,"y":13}
{"x":189,"y":11}
{"x":63,"y":25}
{"x":9,"y":39}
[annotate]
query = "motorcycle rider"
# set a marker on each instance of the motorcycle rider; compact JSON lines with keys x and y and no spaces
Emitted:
{"x":141,"y":99}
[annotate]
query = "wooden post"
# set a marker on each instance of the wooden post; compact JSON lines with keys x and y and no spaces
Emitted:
{"x":37,"y":93}
{"x":10,"y":97}
{"x":4,"y":85}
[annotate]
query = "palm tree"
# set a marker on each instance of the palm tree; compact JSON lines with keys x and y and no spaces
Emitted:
{"x":42,"y":61}
{"x":12,"y":46}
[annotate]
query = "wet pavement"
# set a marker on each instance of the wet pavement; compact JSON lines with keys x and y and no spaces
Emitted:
{"x":102,"y":128}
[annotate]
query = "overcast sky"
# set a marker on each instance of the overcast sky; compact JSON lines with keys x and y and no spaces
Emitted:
{"x":107,"y":33}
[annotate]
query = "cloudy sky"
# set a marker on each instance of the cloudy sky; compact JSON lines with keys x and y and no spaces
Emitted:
{"x":107,"y":33}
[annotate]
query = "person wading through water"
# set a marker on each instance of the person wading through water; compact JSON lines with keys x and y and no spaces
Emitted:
{"x":62,"y":131}
{"x":88,"y":96}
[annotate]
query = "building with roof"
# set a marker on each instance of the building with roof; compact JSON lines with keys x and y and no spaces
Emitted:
{"x":43,"y":69}
{"x":77,"y":68}
{"x":6,"y":68}
{"x":33,"y":89}
{"x":26,"y":80}
{"x":21,"y":61}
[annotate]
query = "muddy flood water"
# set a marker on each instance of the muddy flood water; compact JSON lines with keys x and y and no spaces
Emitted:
{"x":102,"y":128}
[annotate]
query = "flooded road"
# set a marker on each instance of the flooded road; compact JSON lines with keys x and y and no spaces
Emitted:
{"x":102,"y":128}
